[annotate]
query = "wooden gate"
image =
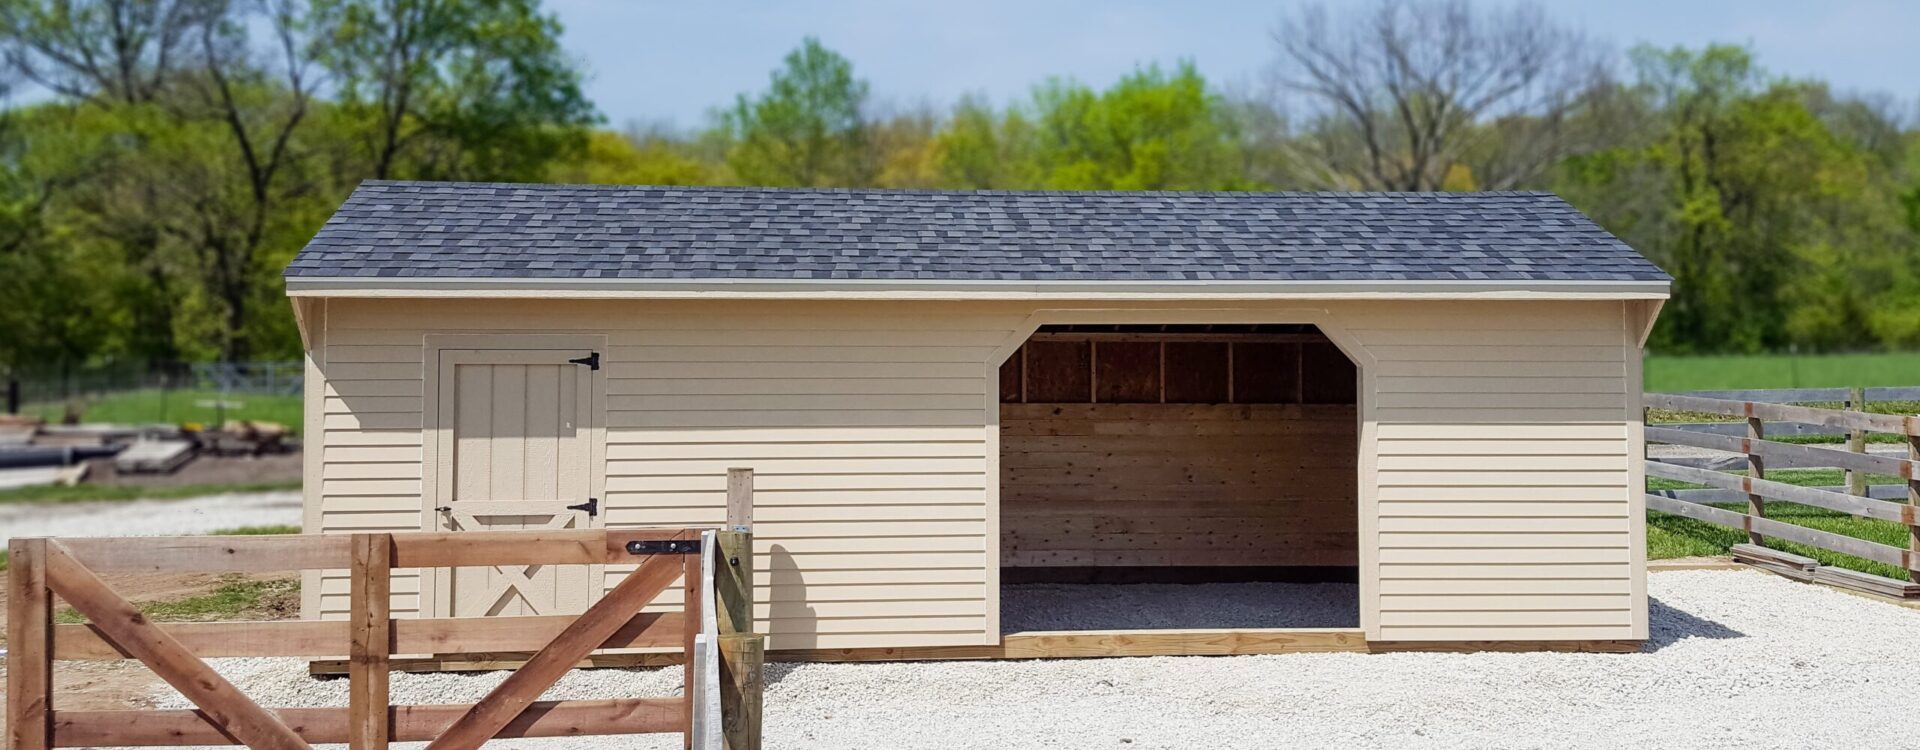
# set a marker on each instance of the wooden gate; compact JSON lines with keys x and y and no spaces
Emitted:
{"x":71,"y":569}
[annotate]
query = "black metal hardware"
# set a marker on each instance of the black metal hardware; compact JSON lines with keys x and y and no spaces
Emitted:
{"x":445,"y":509}
{"x":591,"y":506}
{"x":592,"y":361}
{"x":664,"y":547}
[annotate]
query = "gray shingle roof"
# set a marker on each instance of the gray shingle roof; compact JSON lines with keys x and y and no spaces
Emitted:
{"x":521,"y":231}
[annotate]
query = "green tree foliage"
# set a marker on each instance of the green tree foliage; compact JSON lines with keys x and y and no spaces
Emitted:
{"x":189,"y":149}
{"x":1776,"y":227}
{"x":807,"y":129}
{"x":185,"y":149}
{"x":453,"y":89}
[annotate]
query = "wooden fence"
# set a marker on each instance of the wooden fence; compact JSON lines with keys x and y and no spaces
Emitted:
{"x":71,"y":569}
{"x":1761,"y":453}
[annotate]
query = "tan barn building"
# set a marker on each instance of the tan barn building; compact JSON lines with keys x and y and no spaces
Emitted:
{"x":945,"y":395}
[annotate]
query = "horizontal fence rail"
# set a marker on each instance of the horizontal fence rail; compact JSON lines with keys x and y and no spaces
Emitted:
{"x":1813,"y":395}
{"x":40,"y":569}
{"x":1898,"y":504}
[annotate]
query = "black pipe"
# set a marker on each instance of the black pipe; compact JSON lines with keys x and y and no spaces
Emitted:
{"x":53,"y":455}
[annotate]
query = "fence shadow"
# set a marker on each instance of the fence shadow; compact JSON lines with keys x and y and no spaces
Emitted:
{"x":1667,"y":625}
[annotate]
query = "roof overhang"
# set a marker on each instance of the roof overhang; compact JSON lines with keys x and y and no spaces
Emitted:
{"x":941,"y":289}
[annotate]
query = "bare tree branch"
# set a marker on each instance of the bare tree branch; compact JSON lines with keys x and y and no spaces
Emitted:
{"x":1408,"y":92}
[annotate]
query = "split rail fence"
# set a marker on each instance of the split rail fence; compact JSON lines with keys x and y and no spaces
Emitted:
{"x":71,"y":569}
{"x":1892,"y":503}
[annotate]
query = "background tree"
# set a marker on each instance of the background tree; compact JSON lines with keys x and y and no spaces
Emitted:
{"x":807,"y":129}
{"x":454,"y":89}
{"x":1434,"y":95}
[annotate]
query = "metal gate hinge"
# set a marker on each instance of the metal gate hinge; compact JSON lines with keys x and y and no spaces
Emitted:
{"x":663,"y":547}
{"x":592,"y":361}
{"x":591,"y":506}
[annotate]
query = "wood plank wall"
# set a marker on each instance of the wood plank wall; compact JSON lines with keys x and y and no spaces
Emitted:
{"x":1141,"y":449}
{"x":1177,"y":485}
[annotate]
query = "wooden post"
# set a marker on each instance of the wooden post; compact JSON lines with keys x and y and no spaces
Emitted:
{"x":739,"y":499}
{"x":742,"y":652}
{"x":1913,"y":498}
{"x":1856,"y":442}
{"x":30,"y":647}
{"x":690,"y":571}
{"x":742,"y":658}
{"x":371,"y":596}
{"x":1756,"y":469}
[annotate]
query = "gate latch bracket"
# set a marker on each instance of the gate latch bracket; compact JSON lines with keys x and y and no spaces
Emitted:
{"x":592,"y":361}
{"x":591,"y":506}
{"x":663,"y":547}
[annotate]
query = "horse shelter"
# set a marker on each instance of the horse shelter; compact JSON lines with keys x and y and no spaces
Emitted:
{"x":1430,"y":400}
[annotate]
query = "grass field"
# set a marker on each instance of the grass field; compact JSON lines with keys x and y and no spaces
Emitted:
{"x":1727,"y":372}
{"x":89,"y":492}
{"x":134,"y":407}
{"x":236,"y":598}
{"x":1670,"y":536}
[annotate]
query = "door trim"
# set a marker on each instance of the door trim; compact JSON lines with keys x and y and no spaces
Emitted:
{"x":436,"y":473}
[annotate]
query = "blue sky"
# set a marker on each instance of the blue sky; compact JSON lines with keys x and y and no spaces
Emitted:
{"x":671,"y":61}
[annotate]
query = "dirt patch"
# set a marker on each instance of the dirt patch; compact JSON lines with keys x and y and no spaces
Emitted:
{"x":206,"y":469}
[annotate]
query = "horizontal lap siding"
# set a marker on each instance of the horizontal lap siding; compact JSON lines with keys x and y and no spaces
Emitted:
{"x":869,"y":435}
{"x":1502,"y":470}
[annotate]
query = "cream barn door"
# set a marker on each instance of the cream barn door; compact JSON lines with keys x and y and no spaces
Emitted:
{"x":515,"y":451}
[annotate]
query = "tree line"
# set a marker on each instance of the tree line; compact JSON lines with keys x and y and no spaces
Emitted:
{"x":161,"y":160}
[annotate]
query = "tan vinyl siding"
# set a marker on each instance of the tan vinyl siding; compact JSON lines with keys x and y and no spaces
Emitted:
{"x":1494,"y":473}
{"x":1502,"y":470}
{"x":870,"y":435}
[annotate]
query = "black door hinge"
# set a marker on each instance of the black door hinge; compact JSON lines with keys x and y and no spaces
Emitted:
{"x":591,"y":506}
{"x":592,"y":361}
{"x":663,"y":547}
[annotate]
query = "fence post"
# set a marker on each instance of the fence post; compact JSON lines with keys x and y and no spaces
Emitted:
{"x":371,"y":597}
{"x":1756,"y":469}
{"x":30,"y":647}
{"x":690,"y":572}
{"x":1913,"y":498}
{"x":742,"y":651}
{"x":1856,"y":442}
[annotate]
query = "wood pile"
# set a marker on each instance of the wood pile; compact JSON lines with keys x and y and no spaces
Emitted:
{"x":1785,"y":563}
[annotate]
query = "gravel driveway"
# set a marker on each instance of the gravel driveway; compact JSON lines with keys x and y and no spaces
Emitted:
{"x":199,"y":515}
{"x":1739,"y":659}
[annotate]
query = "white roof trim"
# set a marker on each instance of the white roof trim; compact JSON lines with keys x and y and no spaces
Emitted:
{"x":390,"y":286}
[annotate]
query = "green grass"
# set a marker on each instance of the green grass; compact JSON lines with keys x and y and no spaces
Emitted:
{"x":259,"y":530}
{"x":235,"y":599}
{"x":1670,"y":536}
{"x":179,"y":406}
{"x":1665,"y":374}
{"x":89,"y":492}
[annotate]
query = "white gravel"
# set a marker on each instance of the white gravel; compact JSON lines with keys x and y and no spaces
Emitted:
{"x":1739,"y":659}
{"x":199,"y":515}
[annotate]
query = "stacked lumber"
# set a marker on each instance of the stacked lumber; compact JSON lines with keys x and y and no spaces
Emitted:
{"x":1785,"y":563}
{"x":1867,"y":582}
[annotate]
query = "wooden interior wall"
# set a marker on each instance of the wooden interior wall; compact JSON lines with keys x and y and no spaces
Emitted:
{"x":1177,"y":485}
{"x":1132,"y":450}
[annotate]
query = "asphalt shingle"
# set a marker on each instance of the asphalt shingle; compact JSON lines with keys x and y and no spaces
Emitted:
{"x":488,"y":230}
